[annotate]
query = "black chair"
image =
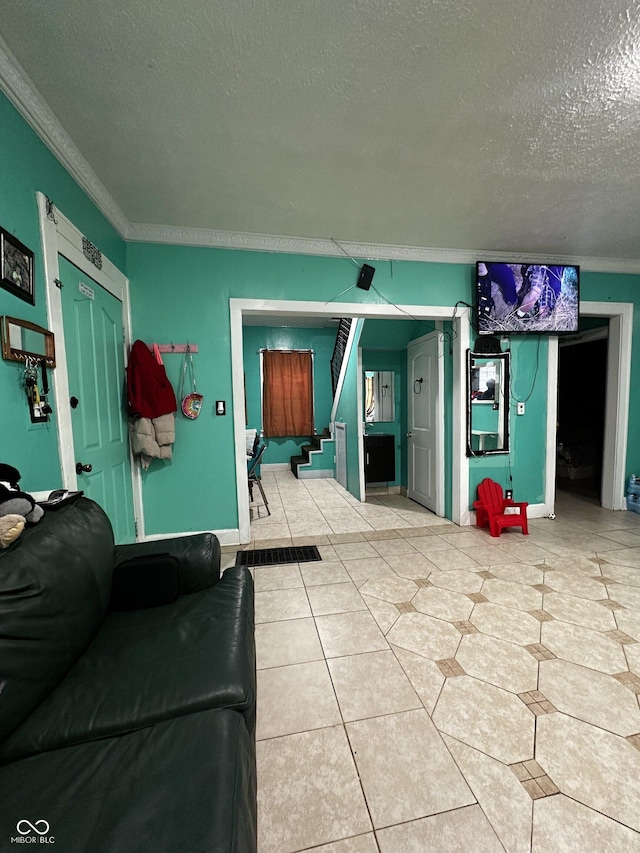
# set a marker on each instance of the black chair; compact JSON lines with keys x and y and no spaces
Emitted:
{"x":254,"y":477}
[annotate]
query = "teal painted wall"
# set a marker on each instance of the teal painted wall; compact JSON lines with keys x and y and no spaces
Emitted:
{"x":393,"y":334}
{"x":183,"y":293}
{"x":26,"y":166}
{"x":523,"y":468}
{"x":162,"y":306}
{"x":322,"y":342}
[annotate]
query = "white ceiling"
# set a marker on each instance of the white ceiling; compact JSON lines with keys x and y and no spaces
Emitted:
{"x":488,"y":125}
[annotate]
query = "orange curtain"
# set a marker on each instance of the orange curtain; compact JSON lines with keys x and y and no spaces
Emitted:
{"x":287,"y":395}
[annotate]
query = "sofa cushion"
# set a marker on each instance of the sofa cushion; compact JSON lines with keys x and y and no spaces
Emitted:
{"x":198,"y":555}
{"x":147,"y":581}
{"x":55,"y":583}
{"x":184,"y":784}
{"x":148,"y":665}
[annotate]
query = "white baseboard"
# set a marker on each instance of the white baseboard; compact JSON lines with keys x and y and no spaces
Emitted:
{"x":230,"y":536}
{"x":319,"y":474}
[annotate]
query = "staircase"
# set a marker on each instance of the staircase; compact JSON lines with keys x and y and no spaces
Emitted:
{"x":316,"y":460}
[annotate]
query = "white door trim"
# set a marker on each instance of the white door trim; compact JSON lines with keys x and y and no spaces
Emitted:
{"x":616,"y":426}
{"x":361,"y":425}
{"x":460,"y":342}
{"x":60,"y":236}
{"x":461,"y":513}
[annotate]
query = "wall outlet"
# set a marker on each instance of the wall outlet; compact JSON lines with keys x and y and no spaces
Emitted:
{"x":520,"y":409}
{"x":508,"y":494}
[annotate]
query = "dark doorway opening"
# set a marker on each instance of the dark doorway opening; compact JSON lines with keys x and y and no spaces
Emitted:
{"x":582,"y":386}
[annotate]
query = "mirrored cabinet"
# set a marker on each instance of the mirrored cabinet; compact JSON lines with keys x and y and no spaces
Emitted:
{"x":487,"y":403}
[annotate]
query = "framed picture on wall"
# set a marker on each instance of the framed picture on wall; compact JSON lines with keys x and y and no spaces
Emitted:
{"x":16,"y":267}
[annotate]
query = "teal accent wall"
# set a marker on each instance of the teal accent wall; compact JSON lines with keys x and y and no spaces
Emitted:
{"x":322,"y":342}
{"x":163,"y":305}
{"x":182,"y":293}
{"x":347,"y":412}
{"x":393,"y":334}
{"x":523,"y":468}
{"x":27,"y":166}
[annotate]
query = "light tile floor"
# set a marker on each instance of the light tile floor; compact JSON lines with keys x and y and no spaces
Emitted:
{"x":428,"y":688}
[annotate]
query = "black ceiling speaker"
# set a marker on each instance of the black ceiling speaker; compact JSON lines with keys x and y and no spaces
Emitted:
{"x":366,"y":276}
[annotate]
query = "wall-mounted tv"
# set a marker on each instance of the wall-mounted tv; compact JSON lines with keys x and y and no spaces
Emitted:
{"x":514,"y":299}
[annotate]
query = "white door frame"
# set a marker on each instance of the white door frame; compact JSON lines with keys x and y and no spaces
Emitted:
{"x":439,"y":420}
{"x":60,"y":236}
{"x":460,"y":343}
{"x":616,"y":424}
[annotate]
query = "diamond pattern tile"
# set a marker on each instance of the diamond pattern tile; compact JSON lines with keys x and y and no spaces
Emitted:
{"x":630,"y":680}
{"x":541,"y":615}
{"x":450,"y":667}
{"x":477,"y":597}
{"x":521,"y":657}
{"x":620,"y":636}
{"x":540,"y":651}
{"x":610,"y":604}
{"x":537,"y":702}
{"x":465,"y":627}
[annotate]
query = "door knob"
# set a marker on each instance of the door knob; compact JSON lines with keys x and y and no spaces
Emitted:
{"x":408,"y":434}
{"x":80,"y":468}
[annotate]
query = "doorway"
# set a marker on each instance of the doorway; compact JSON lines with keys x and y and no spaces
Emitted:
{"x":64,"y":244}
{"x":616,"y":412}
{"x":283,"y":308}
{"x":582,"y":386}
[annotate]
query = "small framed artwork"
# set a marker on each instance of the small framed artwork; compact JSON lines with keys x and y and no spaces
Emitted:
{"x":16,"y":267}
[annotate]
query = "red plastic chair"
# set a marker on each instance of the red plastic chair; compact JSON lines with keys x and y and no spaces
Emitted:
{"x":490,"y":509}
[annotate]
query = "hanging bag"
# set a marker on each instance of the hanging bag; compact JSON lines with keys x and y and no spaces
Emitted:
{"x":191,"y":404}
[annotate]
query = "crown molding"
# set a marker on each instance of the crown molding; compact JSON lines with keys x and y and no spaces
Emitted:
{"x":25,"y":97}
{"x":203,"y":237}
{"x":19,"y":89}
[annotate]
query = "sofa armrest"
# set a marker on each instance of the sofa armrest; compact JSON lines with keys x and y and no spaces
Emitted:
{"x":198,"y":557}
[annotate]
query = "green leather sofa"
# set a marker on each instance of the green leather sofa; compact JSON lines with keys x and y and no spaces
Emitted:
{"x":124,"y":731}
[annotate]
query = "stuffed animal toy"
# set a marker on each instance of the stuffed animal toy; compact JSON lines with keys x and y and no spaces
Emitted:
{"x":11,"y":526}
{"x":12,"y":500}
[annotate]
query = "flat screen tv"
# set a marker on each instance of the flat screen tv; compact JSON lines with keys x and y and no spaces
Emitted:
{"x":513,"y":299}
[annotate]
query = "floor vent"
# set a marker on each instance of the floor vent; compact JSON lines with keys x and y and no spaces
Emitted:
{"x":277,"y":556}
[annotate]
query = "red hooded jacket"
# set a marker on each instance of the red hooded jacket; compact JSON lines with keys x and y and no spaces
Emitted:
{"x":149,"y":392}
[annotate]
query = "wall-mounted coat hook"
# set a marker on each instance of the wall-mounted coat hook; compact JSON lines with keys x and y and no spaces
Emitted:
{"x":179,"y":348}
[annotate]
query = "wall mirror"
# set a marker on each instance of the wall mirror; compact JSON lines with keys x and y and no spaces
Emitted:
{"x":379,"y":405}
{"x":487,"y":403}
{"x":22,"y":340}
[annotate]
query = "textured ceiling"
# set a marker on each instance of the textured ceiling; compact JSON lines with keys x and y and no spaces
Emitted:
{"x":481,"y":124}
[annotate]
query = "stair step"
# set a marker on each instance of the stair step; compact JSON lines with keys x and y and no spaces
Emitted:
{"x":297,"y":460}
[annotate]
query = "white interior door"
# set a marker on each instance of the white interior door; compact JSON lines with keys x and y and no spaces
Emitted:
{"x":425,"y":437}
